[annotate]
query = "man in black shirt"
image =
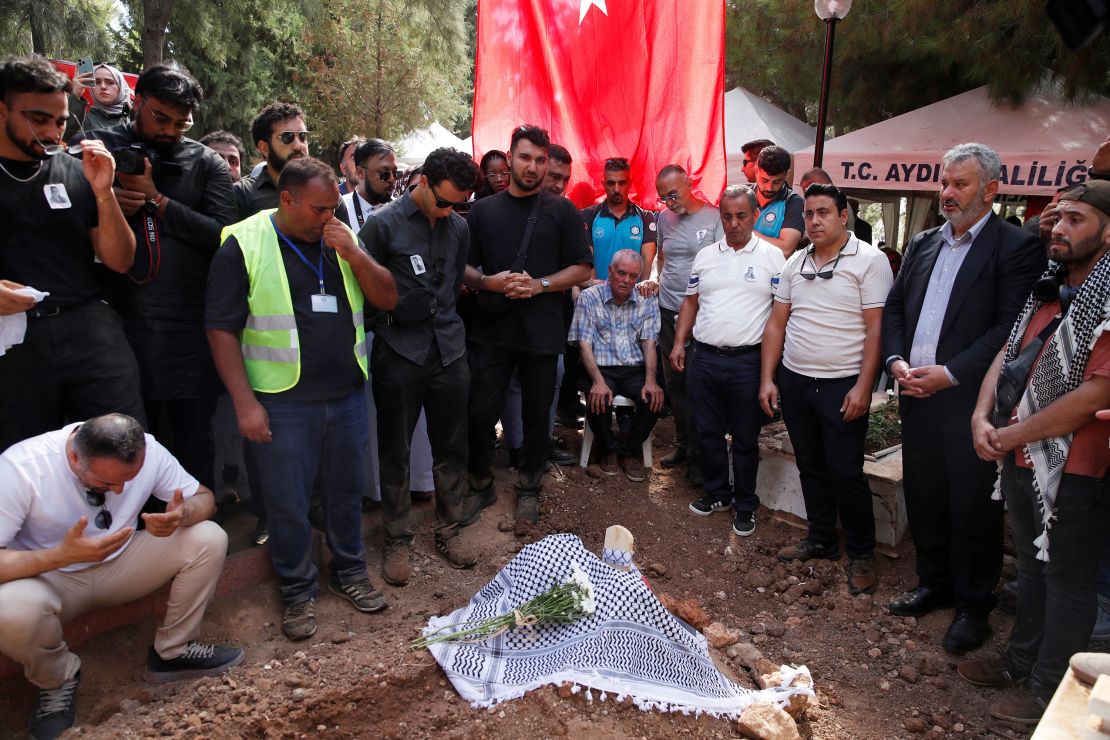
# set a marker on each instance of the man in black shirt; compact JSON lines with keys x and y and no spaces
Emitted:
{"x":280,"y":135}
{"x":176,"y":206}
{"x":519,"y":325}
{"x":74,"y":361}
{"x":286,"y":331}
{"x":419,"y":355}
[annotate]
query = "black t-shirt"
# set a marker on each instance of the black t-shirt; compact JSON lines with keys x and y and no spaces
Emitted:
{"x":559,"y":240}
{"x":328,"y":367}
{"x":44,"y":242}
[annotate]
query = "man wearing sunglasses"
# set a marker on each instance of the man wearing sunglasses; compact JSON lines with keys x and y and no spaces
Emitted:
{"x":176,"y":206}
{"x":751,"y":152}
{"x":825,"y":329}
{"x":419,"y":359}
{"x":50,"y":246}
{"x":280,"y":135}
{"x":69,"y":500}
{"x":376,"y":164}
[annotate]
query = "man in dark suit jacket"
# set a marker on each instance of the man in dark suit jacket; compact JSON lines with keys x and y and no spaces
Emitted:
{"x":950,"y":310}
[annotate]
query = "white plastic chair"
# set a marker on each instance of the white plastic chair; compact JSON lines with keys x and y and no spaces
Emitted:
{"x":588,"y":434}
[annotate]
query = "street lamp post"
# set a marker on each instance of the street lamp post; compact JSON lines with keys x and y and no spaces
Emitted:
{"x":830,"y":11}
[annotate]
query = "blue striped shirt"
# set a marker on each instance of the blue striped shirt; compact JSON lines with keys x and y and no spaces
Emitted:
{"x":614,"y":332}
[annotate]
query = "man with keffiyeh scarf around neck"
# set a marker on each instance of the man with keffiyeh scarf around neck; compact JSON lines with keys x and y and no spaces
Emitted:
{"x":1054,"y":454}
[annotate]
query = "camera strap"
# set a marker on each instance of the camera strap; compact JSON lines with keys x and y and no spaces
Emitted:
{"x":148,"y":256}
{"x":522,"y":253}
{"x":357,"y":201}
{"x":1015,"y":374}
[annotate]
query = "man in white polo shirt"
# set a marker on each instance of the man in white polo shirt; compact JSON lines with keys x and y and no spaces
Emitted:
{"x":727,"y":303}
{"x":825,"y":329}
{"x":69,"y":502}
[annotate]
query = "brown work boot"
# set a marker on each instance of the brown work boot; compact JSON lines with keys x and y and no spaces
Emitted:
{"x":396,"y":566}
{"x":458,"y":553}
{"x":633,"y":469}
{"x":992,"y":670}
{"x":862,"y":578}
{"x":1021,"y":708}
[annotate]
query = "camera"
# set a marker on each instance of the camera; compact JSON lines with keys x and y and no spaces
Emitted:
{"x":129,"y":161}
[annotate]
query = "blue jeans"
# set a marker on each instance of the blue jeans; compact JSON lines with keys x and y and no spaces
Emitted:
{"x":311,"y":436}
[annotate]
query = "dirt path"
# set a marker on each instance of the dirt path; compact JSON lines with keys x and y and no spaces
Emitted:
{"x":877,"y":676}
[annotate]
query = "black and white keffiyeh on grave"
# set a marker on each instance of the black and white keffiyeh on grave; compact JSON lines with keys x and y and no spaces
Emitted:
{"x":631,"y":647}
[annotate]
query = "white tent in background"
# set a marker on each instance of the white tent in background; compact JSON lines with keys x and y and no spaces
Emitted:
{"x":415,"y":148}
{"x":749,"y":117}
{"x":1044,"y":143}
{"x":468,"y":145}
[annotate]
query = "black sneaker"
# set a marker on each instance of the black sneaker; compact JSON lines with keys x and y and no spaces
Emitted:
{"x":55,"y":710}
{"x":708,"y":504}
{"x":527,"y":513}
{"x":299,"y":620}
{"x":361,"y":593}
{"x":197,"y":661}
{"x":807,"y":549}
{"x":743,"y":524}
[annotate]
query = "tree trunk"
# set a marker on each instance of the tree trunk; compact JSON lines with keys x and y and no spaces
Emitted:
{"x":156,"y":16}
{"x":34,"y":20}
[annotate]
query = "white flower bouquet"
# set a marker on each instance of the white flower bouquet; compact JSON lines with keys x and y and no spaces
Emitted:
{"x":562,"y":603}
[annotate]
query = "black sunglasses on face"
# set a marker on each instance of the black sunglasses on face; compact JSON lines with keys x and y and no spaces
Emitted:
{"x":104,"y":518}
{"x":286,"y":137}
{"x":826,"y":272}
{"x":387,"y":175}
{"x":441,"y":203}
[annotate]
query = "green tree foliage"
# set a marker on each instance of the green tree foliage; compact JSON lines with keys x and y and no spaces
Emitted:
{"x":383,"y":68}
{"x":66,"y":29}
{"x":893,"y":56}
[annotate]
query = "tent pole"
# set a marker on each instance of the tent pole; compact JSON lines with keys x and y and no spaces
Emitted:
{"x":826,"y":79}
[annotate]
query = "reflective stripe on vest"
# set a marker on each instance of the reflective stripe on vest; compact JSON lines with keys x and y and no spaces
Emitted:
{"x":270,"y":344}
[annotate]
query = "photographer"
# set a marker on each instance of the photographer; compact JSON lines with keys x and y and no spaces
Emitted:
{"x":419,"y":354}
{"x":176,"y":194}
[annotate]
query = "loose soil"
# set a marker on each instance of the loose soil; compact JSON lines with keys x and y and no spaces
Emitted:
{"x":877,"y":676}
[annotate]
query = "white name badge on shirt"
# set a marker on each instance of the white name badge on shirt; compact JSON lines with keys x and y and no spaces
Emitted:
{"x":56,"y":196}
{"x":323,"y":303}
{"x":417,"y":264}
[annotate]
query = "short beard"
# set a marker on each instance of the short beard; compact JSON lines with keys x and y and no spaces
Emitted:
{"x":965,"y":217}
{"x":28,"y":149}
{"x":278,"y":162}
{"x":526,"y":188}
{"x":373,"y":196}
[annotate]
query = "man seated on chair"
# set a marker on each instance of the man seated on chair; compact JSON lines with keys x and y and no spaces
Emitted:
{"x":615,"y":328}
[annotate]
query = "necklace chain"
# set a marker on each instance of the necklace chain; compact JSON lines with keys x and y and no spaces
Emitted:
{"x":20,"y":179}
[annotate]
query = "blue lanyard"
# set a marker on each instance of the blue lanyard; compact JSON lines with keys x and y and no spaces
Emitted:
{"x":319,"y":271}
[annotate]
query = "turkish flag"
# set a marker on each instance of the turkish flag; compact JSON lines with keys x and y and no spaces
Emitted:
{"x":641,"y":79}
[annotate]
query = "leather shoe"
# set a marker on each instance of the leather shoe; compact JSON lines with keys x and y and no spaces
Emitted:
{"x":967,"y":632}
{"x":1021,"y":708}
{"x":995,"y":671}
{"x":673,"y":459}
{"x":919,"y":602}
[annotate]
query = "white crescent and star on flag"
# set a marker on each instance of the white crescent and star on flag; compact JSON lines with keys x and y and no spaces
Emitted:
{"x":585,"y":8}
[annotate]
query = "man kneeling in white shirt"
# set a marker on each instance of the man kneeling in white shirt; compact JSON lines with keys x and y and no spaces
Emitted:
{"x":69,"y":503}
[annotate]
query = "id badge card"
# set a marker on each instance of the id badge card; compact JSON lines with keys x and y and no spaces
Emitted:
{"x":324,"y":303}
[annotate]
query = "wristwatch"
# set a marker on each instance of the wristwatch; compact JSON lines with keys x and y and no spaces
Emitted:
{"x":151,"y":207}
{"x":545,"y":283}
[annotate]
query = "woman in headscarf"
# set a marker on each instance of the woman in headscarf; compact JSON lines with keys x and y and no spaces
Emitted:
{"x":111,"y":98}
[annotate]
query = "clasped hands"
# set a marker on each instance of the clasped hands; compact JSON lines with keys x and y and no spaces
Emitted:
{"x":920,"y":382}
{"x":514,"y":285}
